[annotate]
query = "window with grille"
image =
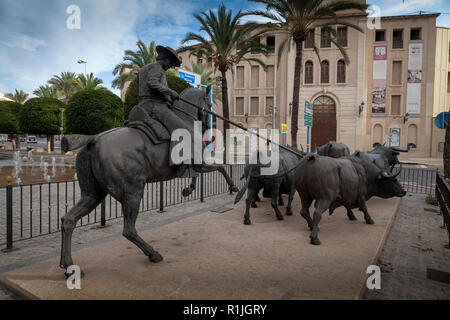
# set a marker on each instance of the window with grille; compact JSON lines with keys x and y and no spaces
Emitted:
{"x":240,"y":106}
{"x":309,"y":39}
{"x":256,"y":49}
{"x":396,"y":72}
{"x":254,"y":106}
{"x":325,"y":39}
{"x":239,"y":77}
{"x":341,"y":71}
{"x":270,"y":42}
{"x":325,"y":72}
{"x":309,"y":72}
{"x":397,"y":39}
{"x":415,"y":34}
{"x":395,"y":105}
{"x":255,"y":76}
{"x":380,"y":35}
{"x":269,"y":76}
{"x":342,"y":36}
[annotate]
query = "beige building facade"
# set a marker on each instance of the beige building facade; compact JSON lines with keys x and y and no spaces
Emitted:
{"x":395,"y":84}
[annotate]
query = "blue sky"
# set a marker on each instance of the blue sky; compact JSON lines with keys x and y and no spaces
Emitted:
{"x":35,"y":43}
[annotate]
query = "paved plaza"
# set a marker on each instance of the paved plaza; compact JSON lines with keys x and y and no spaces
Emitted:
{"x":211,"y":255}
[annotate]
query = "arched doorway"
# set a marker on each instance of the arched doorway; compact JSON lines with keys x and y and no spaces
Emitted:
{"x":324,"y":122}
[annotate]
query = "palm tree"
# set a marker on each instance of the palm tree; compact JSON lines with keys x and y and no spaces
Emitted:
{"x":88,"y":82}
{"x":229,"y":43}
{"x":18,"y":96}
{"x":134,"y":61}
{"x":298,"y":17}
{"x":65,"y":84}
{"x":47,"y":92}
{"x":207,"y":77}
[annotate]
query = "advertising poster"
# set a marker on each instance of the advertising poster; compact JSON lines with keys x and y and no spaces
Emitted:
{"x":394,"y":137}
{"x":379,"y":79}
{"x":414,"y":78}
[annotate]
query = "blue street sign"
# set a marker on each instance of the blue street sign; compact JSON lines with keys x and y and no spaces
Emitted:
{"x":308,"y":122}
{"x":192,"y":78}
{"x":189,"y":78}
{"x":441,"y":120}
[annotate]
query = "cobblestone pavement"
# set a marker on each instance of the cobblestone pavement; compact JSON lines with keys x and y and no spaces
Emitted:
{"x":416,"y":242}
{"x":48,"y":246}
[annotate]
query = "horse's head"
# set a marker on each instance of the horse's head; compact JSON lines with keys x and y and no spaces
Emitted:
{"x":189,"y":113}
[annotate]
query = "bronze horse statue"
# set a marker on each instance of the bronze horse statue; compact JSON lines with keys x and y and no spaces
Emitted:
{"x":120,"y":162}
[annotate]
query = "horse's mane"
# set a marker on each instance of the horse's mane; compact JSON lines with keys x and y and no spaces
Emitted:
{"x":194,"y":95}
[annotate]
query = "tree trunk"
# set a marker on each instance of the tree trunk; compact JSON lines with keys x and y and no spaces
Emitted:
{"x":447,"y":152}
{"x":48,"y":144}
{"x":226,"y":112}
{"x":296,"y":93}
{"x":52,"y":142}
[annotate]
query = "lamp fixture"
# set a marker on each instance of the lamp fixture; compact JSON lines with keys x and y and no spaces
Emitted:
{"x":405,"y":118}
{"x":360,"y":108}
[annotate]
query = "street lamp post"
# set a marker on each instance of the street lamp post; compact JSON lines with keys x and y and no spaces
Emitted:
{"x":62,"y":123}
{"x":85,"y":63}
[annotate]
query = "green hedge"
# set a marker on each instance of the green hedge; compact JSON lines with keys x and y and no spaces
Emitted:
{"x":94,"y":111}
{"x":9,"y":117}
{"x":132,"y":95}
{"x":41,"y":116}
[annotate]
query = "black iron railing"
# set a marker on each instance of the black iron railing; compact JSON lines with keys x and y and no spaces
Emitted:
{"x":34,"y":210}
{"x":418,"y":180}
{"x":443,"y":198}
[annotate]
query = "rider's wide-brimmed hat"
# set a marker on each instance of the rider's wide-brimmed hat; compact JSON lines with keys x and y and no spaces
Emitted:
{"x":168,"y":52}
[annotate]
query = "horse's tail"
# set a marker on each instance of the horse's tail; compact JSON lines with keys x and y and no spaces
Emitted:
{"x":75,"y":141}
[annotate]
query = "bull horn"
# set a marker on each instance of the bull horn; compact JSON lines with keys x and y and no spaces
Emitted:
{"x":388,"y":175}
{"x":399,"y":150}
{"x":411,"y":145}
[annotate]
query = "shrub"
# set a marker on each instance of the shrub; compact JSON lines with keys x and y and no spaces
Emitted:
{"x":41,"y":116}
{"x":93,"y":111}
{"x":9,"y":117}
{"x":431,"y":200}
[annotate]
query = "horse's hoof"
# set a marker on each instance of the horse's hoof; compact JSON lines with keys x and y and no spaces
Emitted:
{"x":315,"y":242}
{"x":289,"y":213}
{"x":186,"y":192}
{"x":234,"y":189}
{"x":247,"y":222}
{"x":254,"y":205}
{"x":280,"y":218}
{"x":352,"y":218}
{"x":155,"y":258}
{"x":370,"y":221}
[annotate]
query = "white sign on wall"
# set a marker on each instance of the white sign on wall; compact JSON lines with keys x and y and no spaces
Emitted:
{"x":414,"y":85}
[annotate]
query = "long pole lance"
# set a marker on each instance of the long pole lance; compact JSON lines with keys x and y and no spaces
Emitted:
{"x":240,"y":127}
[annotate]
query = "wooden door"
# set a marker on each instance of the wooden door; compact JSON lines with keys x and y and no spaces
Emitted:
{"x":324,"y":122}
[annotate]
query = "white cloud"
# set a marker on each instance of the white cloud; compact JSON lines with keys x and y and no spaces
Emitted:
{"x":33,"y":48}
{"x":25,"y":42}
{"x":410,"y":6}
